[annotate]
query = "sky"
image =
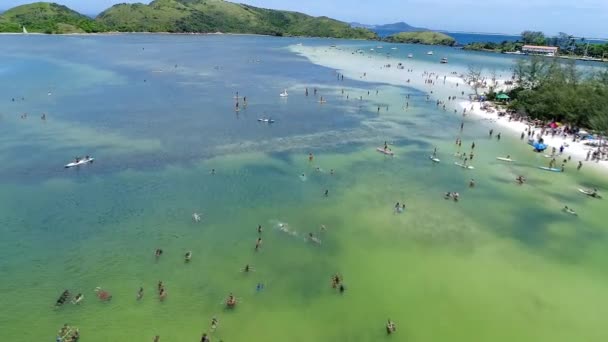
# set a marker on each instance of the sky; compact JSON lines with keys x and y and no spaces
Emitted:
{"x":583,"y":18}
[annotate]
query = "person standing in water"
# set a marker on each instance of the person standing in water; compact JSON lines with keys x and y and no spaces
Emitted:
{"x":580,"y":165}
{"x":260,"y":229}
{"x":326,"y":193}
{"x":140,"y":293}
{"x":310,"y":157}
{"x":258,"y":244}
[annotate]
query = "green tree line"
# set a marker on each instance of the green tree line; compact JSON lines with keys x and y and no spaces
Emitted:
{"x":568,"y":44}
{"x":550,"y":89}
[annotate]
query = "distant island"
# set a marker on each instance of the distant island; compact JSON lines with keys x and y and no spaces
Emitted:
{"x":394,"y":27}
{"x":421,"y":37}
{"x":176,"y":16}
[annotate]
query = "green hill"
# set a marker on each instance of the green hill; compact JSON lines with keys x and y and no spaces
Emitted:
{"x":44,"y":17}
{"x":177,"y":16}
{"x":216,"y":15}
{"x":422,"y":37}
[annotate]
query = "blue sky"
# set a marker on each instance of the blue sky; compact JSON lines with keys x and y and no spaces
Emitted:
{"x":588,"y":18}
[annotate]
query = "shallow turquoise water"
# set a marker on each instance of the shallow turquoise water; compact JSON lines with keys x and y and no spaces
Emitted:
{"x":503,"y":264}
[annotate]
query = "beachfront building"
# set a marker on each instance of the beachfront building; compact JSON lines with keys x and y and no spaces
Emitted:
{"x":540,"y":50}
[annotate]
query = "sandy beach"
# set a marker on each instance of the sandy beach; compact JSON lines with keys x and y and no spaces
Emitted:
{"x":443,"y":84}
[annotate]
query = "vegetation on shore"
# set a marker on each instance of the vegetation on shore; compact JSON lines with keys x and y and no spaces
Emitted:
{"x":48,"y":18}
{"x":177,"y":16}
{"x":550,"y":89}
{"x":568,"y":45}
{"x":421,"y":37}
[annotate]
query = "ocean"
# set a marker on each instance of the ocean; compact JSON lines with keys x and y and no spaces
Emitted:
{"x":158,"y":113}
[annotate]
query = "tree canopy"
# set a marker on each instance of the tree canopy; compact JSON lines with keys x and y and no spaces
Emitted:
{"x":550,"y":89}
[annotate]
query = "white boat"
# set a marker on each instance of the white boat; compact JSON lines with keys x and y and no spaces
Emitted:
{"x":508,"y":160}
{"x":80,"y":162}
{"x":410,"y":56}
{"x":434,"y":159}
{"x":284,"y":93}
{"x":25,"y":30}
{"x":430,"y":53}
{"x":444,"y":61}
{"x":393,"y":48}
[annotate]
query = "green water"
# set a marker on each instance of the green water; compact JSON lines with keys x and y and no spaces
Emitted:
{"x":503,"y":264}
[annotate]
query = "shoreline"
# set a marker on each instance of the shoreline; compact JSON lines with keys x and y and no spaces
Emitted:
{"x":577,"y":150}
{"x":444,"y":83}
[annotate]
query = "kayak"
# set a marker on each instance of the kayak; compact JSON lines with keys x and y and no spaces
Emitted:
{"x":266,"y":120}
{"x":434,"y":159}
{"x":552,"y":169}
{"x":505,"y":159}
{"x":469,"y":167}
{"x":387,"y":152}
{"x":81,"y":162}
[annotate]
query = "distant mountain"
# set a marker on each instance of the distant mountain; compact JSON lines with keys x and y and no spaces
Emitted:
{"x":46,"y":17}
{"x":388,"y":29}
{"x":178,"y":16}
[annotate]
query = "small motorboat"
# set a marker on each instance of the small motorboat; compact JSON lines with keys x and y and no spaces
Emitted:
{"x":444,"y":60}
{"x":410,"y":56}
{"x":430,"y":53}
{"x":284,"y":93}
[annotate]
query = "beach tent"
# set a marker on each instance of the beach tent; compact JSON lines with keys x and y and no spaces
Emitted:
{"x":503,"y":97}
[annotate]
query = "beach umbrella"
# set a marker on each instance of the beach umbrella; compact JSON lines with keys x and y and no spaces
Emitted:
{"x":502,"y":97}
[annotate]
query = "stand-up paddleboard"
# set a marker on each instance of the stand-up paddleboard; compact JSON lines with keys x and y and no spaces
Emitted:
{"x":80,"y":162}
{"x":548,"y":156}
{"x":589,"y":193}
{"x":383,"y":151}
{"x":508,"y":160}
{"x":552,"y":169}
{"x":266,"y":120}
{"x":469,"y":167}
{"x":434,"y":159}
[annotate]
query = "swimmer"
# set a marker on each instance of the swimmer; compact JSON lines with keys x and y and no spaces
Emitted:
{"x":231,"y":301}
{"x":102,"y":294}
{"x":188,"y":256}
{"x":390,"y":327}
{"x":260,"y":229}
{"x":569,"y":211}
{"x":259,"y":287}
{"x":247,"y":268}
{"x":158,"y":252}
{"x":156,"y":338}
{"x":447,"y":195}
{"x":212,"y":171}
{"x":326,"y":192}
{"x":472,"y":183}
{"x":456,"y":196}
{"x":341,"y":288}
{"x":323,"y":228}
{"x":214,"y":323}
{"x":331,"y":172}
{"x":520,"y":180}
{"x":205,"y":338}
{"x":310,"y":157}
{"x":79,"y":297}
{"x":258,"y":244}
{"x":63,"y":298}
{"x":162,"y":294}
{"x":140,"y":293}
{"x":196,"y":217}
{"x":314,"y":239}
